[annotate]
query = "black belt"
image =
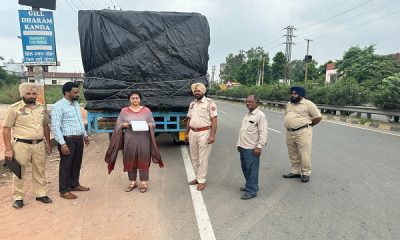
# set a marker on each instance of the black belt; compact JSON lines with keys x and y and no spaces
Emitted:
{"x":296,"y":129}
{"x":28,"y":141}
{"x":73,"y":137}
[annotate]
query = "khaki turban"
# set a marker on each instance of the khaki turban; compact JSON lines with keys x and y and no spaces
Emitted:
{"x":199,"y":86}
{"x":24,"y":88}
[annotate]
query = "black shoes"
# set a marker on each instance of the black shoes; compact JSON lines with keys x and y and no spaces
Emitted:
{"x":247,"y":196}
{"x":243,"y":189}
{"x":305,"y":178}
{"x":18,"y":204}
{"x":291,"y":175}
{"x":44,"y":199}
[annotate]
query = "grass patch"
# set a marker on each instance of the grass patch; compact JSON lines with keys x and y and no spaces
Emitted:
{"x":9,"y":94}
{"x":363,"y":121}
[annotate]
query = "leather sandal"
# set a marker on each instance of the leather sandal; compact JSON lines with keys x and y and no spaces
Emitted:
{"x":131,"y":187}
{"x":143,"y":188}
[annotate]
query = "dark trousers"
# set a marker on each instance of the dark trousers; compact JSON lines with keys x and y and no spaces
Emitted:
{"x":143,"y":175}
{"x":70,"y":165}
{"x":250,"y":167}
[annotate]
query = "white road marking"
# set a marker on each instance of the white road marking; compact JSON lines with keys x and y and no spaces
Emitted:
{"x":363,"y":128}
{"x":203,"y":221}
{"x":274,"y":130}
{"x":222,"y":112}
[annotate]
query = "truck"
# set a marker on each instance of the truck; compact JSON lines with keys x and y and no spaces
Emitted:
{"x":158,"y":53}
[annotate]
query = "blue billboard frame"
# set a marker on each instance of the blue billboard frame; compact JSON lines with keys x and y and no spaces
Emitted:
{"x":38,"y":37}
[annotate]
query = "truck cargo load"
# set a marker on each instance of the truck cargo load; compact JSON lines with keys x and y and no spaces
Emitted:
{"x":158,"y":53}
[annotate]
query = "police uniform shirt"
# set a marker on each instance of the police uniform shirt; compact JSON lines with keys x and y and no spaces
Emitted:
{"x":27,"y":123}
{"x":300,"y":114}
{"x":201,"y":112}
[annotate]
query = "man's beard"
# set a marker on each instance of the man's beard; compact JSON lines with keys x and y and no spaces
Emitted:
{"x":76,"y":98}
{"x":294,"y":99}
{"x":198,"y":97}
{"x":29,"y":100}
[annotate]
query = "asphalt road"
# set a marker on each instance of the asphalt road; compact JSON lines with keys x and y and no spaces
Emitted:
{"x":353,"y":192}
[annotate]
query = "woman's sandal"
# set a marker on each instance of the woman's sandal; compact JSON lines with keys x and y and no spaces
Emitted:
{"x":143,"y":188}
{"x":131,"y":187}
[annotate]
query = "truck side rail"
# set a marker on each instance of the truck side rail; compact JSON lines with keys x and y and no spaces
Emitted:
{"x":166,"y":122}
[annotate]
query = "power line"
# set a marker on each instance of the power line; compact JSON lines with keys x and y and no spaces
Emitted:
{"x":106,"y":4}
{"x":328,"y":9}
{"x":119,"y":5}
{"x":84,"y":5}
{"x":341,"y":13}
{"x":112,"y":4}
{"x":71,"y":6}
{"x":373,"y":20}
{"x":93,"y":4}
{"x":347,"y":20}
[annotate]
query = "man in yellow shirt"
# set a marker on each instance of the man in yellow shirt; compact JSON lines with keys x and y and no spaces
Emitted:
{"x":300,"y":115}
{"x":31,"y":139}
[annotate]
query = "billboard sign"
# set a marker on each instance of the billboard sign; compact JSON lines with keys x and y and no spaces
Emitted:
{"x":38,"y":39}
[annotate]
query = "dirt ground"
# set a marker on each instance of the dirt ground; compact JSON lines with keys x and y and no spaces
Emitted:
{"x":104,"y":212}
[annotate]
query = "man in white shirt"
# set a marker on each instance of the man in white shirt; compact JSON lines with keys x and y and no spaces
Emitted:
{"x":252,"y":137}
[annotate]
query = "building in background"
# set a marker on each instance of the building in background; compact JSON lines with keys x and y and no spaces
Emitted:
{"x":331,"y":73}
{"x":51,"y":75}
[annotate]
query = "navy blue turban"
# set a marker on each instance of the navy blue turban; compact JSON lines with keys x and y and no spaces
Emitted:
{"x":299,"y":90}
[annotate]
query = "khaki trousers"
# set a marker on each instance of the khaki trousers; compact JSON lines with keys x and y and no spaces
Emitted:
{"x":200,"y":152}
{"x":34,"y":153}
{"x":299,"y":149}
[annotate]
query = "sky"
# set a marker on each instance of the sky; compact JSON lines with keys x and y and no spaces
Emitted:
{"x":333,"y":26}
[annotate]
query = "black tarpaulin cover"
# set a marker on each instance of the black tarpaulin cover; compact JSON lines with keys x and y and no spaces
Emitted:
{"x":158,"y":53}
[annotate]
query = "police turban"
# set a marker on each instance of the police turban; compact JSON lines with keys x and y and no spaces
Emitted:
{"x":24,"y":88}
{"x":199,"y":86}
{"x":299,"y":90}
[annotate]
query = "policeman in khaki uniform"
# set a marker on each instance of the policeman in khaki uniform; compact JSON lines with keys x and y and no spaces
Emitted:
{"x":300,"y":115}
{"x":28,"y":143}
{"x":201,"y":129}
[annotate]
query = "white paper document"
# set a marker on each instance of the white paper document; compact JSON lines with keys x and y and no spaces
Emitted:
{"x":139,"y":126}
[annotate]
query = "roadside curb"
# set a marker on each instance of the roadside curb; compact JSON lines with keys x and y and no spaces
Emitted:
{"x":373,"y":124}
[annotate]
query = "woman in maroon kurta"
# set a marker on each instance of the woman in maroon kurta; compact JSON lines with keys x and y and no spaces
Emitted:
{"x":139,"y":147}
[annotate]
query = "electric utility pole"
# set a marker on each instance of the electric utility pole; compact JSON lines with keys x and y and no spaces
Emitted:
{"x":288,"y":52}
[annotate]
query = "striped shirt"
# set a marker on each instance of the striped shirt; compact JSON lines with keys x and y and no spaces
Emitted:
{"x":66,"y":120}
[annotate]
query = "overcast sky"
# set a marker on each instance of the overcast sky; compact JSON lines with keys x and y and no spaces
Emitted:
{"x":236,"y":25}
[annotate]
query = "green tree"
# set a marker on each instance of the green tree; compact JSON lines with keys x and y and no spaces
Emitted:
{"x":6,"y":78}
{"x":366,"y":67}
{"x":233,"y":63}
{"x":278,"y":66}
{"x":245,"y":67}
{"x":387,"y":94}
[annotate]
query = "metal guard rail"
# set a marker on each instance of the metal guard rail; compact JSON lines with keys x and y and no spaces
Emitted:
{"x":352,"y":109}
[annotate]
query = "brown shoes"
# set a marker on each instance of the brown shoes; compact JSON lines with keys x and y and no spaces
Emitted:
{"x":68,"y":195}
{"x":201,"y":186}
{"x":80,"y":188}
{"x":131,"y":187}
{"x":193,"y":182}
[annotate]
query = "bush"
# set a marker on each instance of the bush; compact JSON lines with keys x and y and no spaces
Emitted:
{"x":347,"y":92}
{"x":387,"y":94}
